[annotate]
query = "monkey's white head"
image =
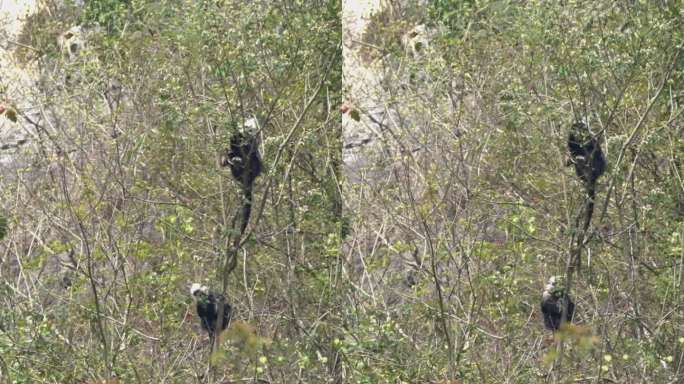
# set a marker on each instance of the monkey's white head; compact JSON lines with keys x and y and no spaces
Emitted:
{"x":251,"y":126}
{"x":555,"y":288}
{"x":197,"y":288}
{"x":551,"y":284}
{"x":550,"y":288}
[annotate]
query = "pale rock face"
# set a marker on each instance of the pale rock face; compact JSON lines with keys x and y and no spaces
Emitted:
{"x":375,"y":137}
{"x":363,"y":88}
{"x":16,"y":81}
{"x":364,"y":82}
{"x":13,"y":14}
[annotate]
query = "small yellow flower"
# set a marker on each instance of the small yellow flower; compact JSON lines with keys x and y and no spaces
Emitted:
{"x":607,"y":358}
{"x":604,"y":368}
{"x":625,"y":357}
{"x":262,"y":360}
{"x":669,"y":359}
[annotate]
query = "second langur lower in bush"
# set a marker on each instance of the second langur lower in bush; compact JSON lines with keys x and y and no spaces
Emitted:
{"x":208,"y":305}
{"x":553,"y":303}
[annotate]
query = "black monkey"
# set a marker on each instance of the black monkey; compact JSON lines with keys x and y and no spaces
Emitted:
{"x":208,"y":305}
{"x":585,"y":154}
{"x":590,"y":164}
{"x":553,"y":299}
{"x":242,"y":156}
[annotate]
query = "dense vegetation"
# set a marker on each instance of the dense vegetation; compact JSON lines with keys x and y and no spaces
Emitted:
{"x":478,"y":202}
{"x":434,"y":271}
{"x":124,"y":203}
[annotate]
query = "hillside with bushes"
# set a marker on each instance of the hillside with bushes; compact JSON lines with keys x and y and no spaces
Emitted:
{"x":416,"y":194}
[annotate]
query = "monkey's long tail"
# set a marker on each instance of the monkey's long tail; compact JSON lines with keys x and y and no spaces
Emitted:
{"x":591,"y":195}
{"x":588,"y":213}
{"x":246,"y":208}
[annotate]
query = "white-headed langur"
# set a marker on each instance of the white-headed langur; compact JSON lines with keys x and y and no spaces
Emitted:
{"x":242,"y":156}
{"x":553,"y":301}
{"x":208,"y":304}
{"x":586,"y":156}
{"x":590,"y":164}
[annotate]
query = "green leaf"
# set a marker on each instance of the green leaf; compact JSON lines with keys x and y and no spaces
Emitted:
{"x":355,"y":115}
{"x":3,"y":227}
